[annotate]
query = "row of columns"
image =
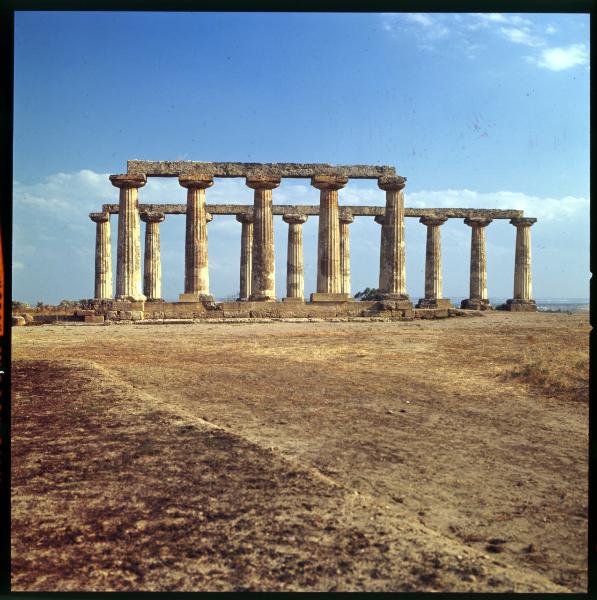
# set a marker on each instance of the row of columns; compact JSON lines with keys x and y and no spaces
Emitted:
{"x":257,"y":273}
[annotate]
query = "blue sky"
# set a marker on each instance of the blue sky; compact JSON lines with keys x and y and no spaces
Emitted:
{"x":476,"y":110}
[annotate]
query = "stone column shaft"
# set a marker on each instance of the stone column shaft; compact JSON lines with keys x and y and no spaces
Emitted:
{"x":328,"y":241}
{"x":196,"y":275}
{"x":433,"y":265}
{"x":522,"y":299}
{"x":263,"y":287}
{"x":103,"y":256}
{"x":246,"y":255}
{"x":128,"y":258}
{"x":152,"y":266}
{"x":295,"y":274}
{"x":478,"y":296}
{"x":393,"y":268}
{"x":345,"y":220}
{"x":383,"y":253}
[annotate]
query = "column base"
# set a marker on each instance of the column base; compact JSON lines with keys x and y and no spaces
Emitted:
{"x":139,"y":298}
{"x":261,"y":298}
{"x":196,"y":297}
{"x":392,"y":296}
{"x":324,"y":297}
{"x":434,"y":303}
{"x":518,"y":305}
{"x":476,"y":304}
{"x":292,"y":299}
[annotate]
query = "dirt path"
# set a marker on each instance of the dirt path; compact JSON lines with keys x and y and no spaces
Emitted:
{"x":423,"y":420}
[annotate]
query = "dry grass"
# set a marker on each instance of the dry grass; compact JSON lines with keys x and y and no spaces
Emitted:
{"x":367,"y":456}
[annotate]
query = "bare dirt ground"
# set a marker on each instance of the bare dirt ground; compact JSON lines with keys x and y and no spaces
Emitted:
{"x":442,"y":455}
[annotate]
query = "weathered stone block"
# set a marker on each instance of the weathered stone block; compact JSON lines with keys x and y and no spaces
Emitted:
{"x":83,"y":313}
{"x":121,"y":305}
{"x":321,"y":297}
{"x":434,"y":303}
{"x":111,"y":315}
{"x":18,"y":321}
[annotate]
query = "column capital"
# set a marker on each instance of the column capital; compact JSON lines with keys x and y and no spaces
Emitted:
{"x":99,"y":217}
{"x":523,"y":221}
{"x":345,"y":216}
{"x":152,"y":217}
{"x":200,"y":182}
{"x":433,"y":220}
{"x":379,"y":219}
{"x":262,"y":182}
{"x":125,"y":180}
{"x":477,"y":221}
{"x":294,"y":218}
{"x":245,"y":217}
{"x":329,"y":182}
{"x":391,"y":183}
{"x":208,"y":217}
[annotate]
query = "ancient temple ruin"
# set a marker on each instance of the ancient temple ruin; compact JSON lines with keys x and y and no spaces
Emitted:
{"x":257,"y":273}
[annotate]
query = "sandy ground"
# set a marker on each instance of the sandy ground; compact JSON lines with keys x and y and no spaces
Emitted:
{"x":442,"y":455}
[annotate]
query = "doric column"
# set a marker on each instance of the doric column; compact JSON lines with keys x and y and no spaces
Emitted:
{"x":329,"y":280}
{"x":383,"y":251}
{"x":103,"y":256}
{"x":393,"y":271}
{"x":295,"y":274}
{"x":433,"y":265}
{"x":478,"y":299}
{"x":246,"y":254}
{"x":196,"y":273}
{"x":345,"y":220}
{"x":128,"y":256}
{"x":152,"y":265}
{"x":263,"y":286}
{"x":522,"y":267}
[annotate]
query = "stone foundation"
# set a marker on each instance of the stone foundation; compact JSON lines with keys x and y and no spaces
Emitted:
{"x":443,"y":303}
{"x":475,"y":304}
{"x":108,"y":312}
{"x":516,"y":305}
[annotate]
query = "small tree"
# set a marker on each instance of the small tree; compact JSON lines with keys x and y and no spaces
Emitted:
{"x":368,"y":294}
{"x":17,"y":305}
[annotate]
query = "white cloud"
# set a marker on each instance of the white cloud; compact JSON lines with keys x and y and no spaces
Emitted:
{"x":550,"y":30}
{"x":549,"y":209}
{"x":521,"y":36}
{"x":560,"y":59}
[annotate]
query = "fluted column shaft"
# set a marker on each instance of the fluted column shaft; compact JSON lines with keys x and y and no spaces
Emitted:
{"x":328,"y":241}
{"x":393,"y":268}
{"x":152,"y":265}
{"x":196,"y":273}
{"x":295,"y":274}
{"x":103,"y":256}
{"x":433,"y":258}
{"x":383,"y":252}
{"x":246,"y":255}
{"x":128,"y":257}
{"x":522,"y":261}
{"x":345,"y":220}
{"x":263,"y":286}
{"x":478,"y":298}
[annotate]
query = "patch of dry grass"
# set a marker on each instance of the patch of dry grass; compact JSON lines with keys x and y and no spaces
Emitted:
{"x":564,"y":372}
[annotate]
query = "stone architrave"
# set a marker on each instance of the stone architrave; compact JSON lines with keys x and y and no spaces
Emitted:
{"x":295,"y":273}
{"x":128,"y":256}
{"x":345,"y":220}
{"x":196,"y":266}
{"x":246,"y":255}
{"x":393,"y":270}
{"x":433,"y":265}
{"x":522,"y":300}
{"x":103,"y":256}
{"x":478,"y":299}
{"x":383,"y":250}
{"x":263,"y":286}
{"x":329,"y":280}
{"x":152,"y":264}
